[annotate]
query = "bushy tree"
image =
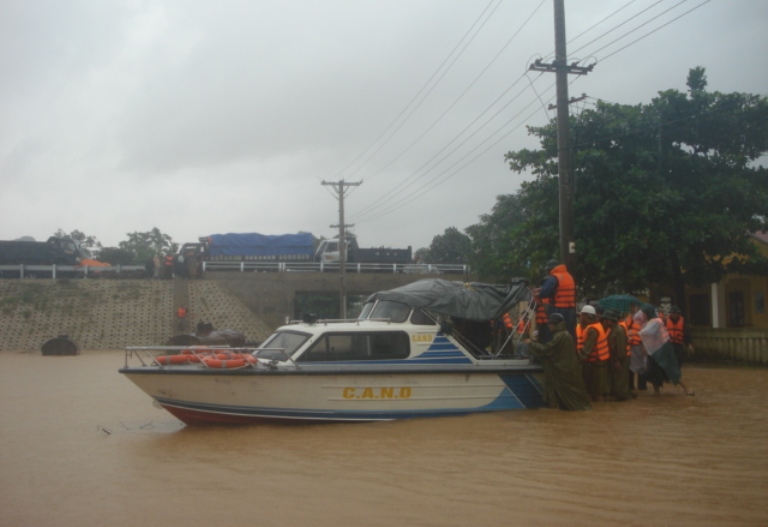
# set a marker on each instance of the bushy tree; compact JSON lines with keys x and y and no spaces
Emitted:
{"x":144,"y":245}
{"x":666,"y":194}
{"x":451,"y":247}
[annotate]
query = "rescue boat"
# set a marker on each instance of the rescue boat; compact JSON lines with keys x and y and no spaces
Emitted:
{"x":422,"y":350}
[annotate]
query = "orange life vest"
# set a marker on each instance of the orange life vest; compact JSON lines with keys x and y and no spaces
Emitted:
{"x":675,"y":330}
{"x":565,"y":294}
{"x":633,"y":331}
{"x":579,"y":338}
{"x":600,"y":351}
{"x":507,"y":321}
{"x":181,"y":312}
{"x":521,"y":326}
{"x":542,"y":317}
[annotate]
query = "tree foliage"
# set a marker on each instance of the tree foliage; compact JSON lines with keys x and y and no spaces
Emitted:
{"x":144,"y":245}
{"x":666,"y":194}
{"x":451,"y":247}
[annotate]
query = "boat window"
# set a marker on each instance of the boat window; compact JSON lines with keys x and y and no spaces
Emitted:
{"x":281,"y":344}
{"x":392,"y":311}
{"x":366,"y":311}
{"x":420,"y":318}
{"x":358,"y":347}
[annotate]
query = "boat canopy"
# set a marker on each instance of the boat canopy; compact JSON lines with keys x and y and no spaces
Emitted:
{"x":468,"y":300}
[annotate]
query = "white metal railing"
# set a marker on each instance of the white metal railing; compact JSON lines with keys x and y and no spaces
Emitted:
{"x":297,"y":267}
{"x":67,"y":271}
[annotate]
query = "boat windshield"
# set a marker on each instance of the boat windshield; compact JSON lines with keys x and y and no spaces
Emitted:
{"x":366,"y":312}
{"x":282,"y":344}
{"x":390,"y":310}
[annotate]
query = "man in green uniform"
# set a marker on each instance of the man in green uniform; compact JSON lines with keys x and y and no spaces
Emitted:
{"x":619,"y":361}
{"x":563,"y":382}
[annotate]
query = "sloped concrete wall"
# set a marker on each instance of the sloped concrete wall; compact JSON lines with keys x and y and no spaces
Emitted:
{"x":112,"y":314}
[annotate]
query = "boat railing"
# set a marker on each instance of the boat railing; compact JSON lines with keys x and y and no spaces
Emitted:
{"x":147,"y":355}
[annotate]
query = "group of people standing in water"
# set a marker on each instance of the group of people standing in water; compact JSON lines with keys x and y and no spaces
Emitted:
{"x":599,"y":353}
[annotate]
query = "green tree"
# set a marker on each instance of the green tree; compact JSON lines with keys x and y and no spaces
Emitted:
{"x":451,"y":247}
{"x":144,"y":245}
{"x":666,"y":193}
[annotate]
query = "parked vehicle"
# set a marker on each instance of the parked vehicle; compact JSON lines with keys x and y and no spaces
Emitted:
{"x":252,"y":247}
{"x":54,"y":251}
{"x":328,"y":252}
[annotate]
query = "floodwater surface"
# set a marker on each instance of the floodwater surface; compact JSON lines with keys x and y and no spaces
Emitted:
{"x":81,"y":445}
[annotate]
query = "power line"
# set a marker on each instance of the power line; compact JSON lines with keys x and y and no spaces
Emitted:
{"x":452,"y":105}
{"x":653,"y":31}
{"x":424,"y":87}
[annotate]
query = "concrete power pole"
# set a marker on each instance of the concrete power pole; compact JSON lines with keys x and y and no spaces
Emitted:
{"x":565,"y":169}
{"x":339,"y":188}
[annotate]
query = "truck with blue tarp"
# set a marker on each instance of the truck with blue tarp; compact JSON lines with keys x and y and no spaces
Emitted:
{"x":252,"y":246}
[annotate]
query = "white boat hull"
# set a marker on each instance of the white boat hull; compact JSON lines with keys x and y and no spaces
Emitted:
{"x":199,"y":396}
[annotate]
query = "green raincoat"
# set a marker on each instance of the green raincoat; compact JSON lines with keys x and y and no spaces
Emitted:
{"x":563,"y":380}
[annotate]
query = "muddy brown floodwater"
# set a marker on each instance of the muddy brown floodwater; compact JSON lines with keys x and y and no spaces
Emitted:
{"x":80,"y":445}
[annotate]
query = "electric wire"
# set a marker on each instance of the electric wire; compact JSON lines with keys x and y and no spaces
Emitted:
{"x":418,"y":95}
{"x":406,"y":183}
{"x":370,"y":214}
{"x":453,"y":104}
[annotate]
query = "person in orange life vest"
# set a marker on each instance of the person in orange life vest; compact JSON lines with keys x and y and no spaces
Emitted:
{"x":559,"y":288}
{"x":594,"y":354}
{"x":181,"y":314}
{"x":679,"y":335}
{"x":638,"y":360}
{"x":618,"y":347}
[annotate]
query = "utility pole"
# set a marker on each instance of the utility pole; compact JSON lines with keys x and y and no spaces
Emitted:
{"x":339,"y":188}
{"x":565,"y":170}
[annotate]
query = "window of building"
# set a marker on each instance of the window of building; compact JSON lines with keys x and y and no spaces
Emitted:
{"x":736,"y":309}
{"x":358,"y":346}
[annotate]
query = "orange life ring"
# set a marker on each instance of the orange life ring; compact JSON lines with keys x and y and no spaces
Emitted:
{"x":228,"y":364}
{"x":166,"y":360}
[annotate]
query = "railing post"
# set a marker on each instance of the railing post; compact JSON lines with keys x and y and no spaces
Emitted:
{"x":242,"y":266}
{"x":53,"y":272}
{"x":21,"y":271}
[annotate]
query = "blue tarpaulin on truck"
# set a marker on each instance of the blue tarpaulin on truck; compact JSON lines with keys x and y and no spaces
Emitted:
{"x":255,"y":244}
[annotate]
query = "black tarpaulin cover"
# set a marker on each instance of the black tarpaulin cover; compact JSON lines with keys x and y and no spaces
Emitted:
{"x":469,"y":300}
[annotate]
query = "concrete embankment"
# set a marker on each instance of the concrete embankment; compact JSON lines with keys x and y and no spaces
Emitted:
{"x":111,"y":314}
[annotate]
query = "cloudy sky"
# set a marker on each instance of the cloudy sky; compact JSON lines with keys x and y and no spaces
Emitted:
{"x":202,"y":117}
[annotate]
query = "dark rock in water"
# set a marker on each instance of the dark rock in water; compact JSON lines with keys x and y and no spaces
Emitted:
{"x":60,"y":345}
{"x":219,"y":337}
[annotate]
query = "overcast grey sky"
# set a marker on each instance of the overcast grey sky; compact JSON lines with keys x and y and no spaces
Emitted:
{"x":202,"y":117}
